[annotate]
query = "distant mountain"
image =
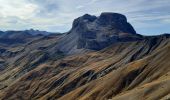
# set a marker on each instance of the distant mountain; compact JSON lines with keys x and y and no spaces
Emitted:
{"x":16,"y":34}
{"x":1,"y":32}
{"x":100,"y":58}
{"x":37,"y":32}
{"x":20,"y":37}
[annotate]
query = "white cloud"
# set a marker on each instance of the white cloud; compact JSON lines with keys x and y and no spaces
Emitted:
{"x":54,"y":15}
{"x":79,"y":7}
{"x":166,"y":21}
{"x":18,"y":8}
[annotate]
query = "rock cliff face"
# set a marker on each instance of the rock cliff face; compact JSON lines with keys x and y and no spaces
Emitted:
{"x":96,"y":33}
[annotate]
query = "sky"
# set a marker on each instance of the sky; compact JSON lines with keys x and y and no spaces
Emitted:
{"x":148,"y":17}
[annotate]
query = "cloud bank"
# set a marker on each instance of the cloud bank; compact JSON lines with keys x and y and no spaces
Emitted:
{"x":147,"y":16}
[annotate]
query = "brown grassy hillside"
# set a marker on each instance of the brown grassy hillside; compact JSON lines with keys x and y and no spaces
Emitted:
{"x":130,"y":70}
{"x":100,"y":58}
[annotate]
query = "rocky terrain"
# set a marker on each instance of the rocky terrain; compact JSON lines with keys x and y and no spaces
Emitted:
{"x":100,"y":58}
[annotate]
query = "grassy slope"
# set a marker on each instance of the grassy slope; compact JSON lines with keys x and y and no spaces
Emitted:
{"x":144,"y":79}
{"x":115,"y":72}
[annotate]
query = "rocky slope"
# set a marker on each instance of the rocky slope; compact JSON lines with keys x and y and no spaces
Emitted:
{"x":96,"y":33}
{"x":100,"y":58}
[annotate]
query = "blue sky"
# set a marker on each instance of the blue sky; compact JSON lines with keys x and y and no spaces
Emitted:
{"x":149,"y":17}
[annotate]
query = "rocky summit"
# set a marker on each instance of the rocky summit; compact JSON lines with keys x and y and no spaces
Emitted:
{"x":100,"y":58}
{"x":95,"y":33}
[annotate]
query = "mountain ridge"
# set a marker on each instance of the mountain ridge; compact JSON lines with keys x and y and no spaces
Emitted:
{"x":99,"y":58}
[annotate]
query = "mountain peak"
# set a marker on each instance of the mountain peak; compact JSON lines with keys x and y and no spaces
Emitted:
{"x":107,"y":20}
{"x":111,"y":18}
{"x":96,"y":33}
{"x":82,"y":19}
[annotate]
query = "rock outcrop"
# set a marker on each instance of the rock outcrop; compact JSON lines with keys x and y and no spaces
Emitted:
{"x":95,"y":33}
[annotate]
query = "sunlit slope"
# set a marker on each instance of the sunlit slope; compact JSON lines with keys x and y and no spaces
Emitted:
{"x":112,"y":73}
{"x":144,"y":79}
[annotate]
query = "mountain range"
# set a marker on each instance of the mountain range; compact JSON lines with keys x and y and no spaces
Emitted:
{"x":100,"y":58}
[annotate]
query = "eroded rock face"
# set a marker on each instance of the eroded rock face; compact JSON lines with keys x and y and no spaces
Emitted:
{"x":96,"y":33}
